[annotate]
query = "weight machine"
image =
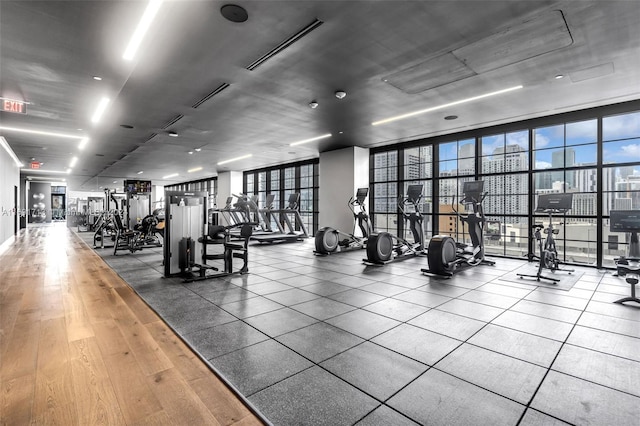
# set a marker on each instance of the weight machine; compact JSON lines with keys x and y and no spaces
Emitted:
{"x":548,"y":259}
{"x":628,"y":266}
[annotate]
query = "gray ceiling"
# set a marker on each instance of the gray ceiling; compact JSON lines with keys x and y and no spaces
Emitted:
{"x":391,"y":57}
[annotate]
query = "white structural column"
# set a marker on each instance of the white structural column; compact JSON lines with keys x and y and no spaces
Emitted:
{"x":342,"y":172}
{"x":229,"y":183}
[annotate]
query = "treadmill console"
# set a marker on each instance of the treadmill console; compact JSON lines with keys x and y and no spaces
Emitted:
{"x":555,"y":203}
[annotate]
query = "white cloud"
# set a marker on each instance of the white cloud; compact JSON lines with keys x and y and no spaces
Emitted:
{"x":540,"y":141}
{"x":621,"y":126}
{"x":632,"y":150}
{"x":543,"y":165}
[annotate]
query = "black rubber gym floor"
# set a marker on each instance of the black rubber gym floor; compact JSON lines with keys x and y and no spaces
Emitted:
{"x":330,"y":341}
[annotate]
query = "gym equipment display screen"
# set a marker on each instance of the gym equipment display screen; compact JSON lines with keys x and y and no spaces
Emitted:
{"x":624,"y":221}
{"x":560,"y":202}
{"x":473,"y":189}
{"x":137,"y":186}
{"x":414,"y":192}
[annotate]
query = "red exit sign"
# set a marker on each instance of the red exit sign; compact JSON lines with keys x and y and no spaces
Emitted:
{"x":35,"y":164}
{"x":14,"y":106}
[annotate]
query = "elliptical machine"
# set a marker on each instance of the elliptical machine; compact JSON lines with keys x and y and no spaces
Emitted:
{"x":330,"y":240}
{"x":628,"y":266}
{"x":383,"y":247}
{"x":445,"y":255}
{"x":548,"y":259}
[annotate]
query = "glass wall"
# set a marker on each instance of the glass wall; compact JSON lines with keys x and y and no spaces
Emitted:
{"x":209,"y":185}
{"x":592,"y":154}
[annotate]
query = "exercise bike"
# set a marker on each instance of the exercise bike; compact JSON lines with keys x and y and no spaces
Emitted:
{"x":445,"y":255}
{"x":628,"y":266}
{"x":548,"y":259}
{"x":383,"y":247}
{"x":330,"y":240}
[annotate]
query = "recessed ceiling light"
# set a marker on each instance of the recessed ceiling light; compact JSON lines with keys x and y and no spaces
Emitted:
{"x":451,"y":117}
{"x":126,"y":126}
{"x":102,"y":106}
{"x":462,"y":101}
{"x":170,"y":176}
{"x":242,"y":157}
{"x":559,"y":76}
{"x":198,"y":149}
{"x":141,"y":29}
{"x":141,"y":172}
{"x":115,"y":181}
{"x":173,"y":134}
{"x":340,"y":94}
{"x":97,"y":77}
{"x":328,"y":135}
{"x":195,"y":169}
{"x":234,"y":13}
{"x":313,"y":105}
{"x":189,"y":152}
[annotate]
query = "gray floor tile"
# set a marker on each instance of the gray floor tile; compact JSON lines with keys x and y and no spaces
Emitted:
{"x":506,"y":376}
{"x":471,"y":310}
{"x":363,"y":323}
{"x":506,"y":290}
{"x":607,"y":370}
{"x":612,"y":324}
{"x":279,"y":322}
{"x":356,"y":297}
{"x":451,"y":325}
{"x":547,"y":311}
{"x":322,"y":308}
{"x":436,"y":398}
{"x":408,"y":282}
{"x":490,"y":299}
{"x":319,"y":341}
{"x":558,"y":300}
{"x":396,"y":309}
{"x":385,"y":416}
{"x":251,"y":307}
{"x":444,"y":289}
{"x":268,"y":287}
{"x":300,"y":280}
{"x":430,"y":300}
{"x":221,"y":339}
{"x":614,"y":310}
{"x":603,"y":341}
{"x":228,"y":295}
{"x":325,"y":288}
{"x":417,"y":343}
{"x":353,"y":281}
{"x":257,"y":366}
{"x":292,"y":296}
{"x":384,"y":289}
{"x":543,"y":327}
{"x":188,"y":321}
{"x":536,"y":418}
{"x":374,"y":369}
{"x":580,"y":402}
{"x":517,"y":344}
{"x":313,"y":397}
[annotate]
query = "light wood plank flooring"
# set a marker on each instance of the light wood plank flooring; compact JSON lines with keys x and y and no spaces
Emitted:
{"x":79,"y":347}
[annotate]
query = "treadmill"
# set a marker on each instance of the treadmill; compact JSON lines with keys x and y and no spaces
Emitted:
{"x":284,"y":237}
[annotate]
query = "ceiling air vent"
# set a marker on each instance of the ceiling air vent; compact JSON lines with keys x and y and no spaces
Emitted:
{"x":173,"y":121}
{"x":211,"y":95}
{"x":283,"y":45}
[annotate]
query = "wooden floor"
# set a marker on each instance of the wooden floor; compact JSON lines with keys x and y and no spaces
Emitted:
{"x":79,"y":347}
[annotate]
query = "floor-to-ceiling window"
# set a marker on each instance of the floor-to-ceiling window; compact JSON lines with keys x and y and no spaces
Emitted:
{"x":283,"y":181}
{"x":592,"y":154}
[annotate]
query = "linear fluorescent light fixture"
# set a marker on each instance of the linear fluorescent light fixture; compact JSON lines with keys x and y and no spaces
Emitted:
{"x":195,"y":169}
{"x":102,"y":106}
{"x":40,"y":132}
{"x":73,"y":162}
{"x":317,"y":138}
{"x":170,"y":176}
{"x":12,"y":154}
{"x":450,"y":104}
{"x":144,"y":24}
{"x":45,"y":171}
{"x":83,"y":143}
{"x":234,"y":159}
